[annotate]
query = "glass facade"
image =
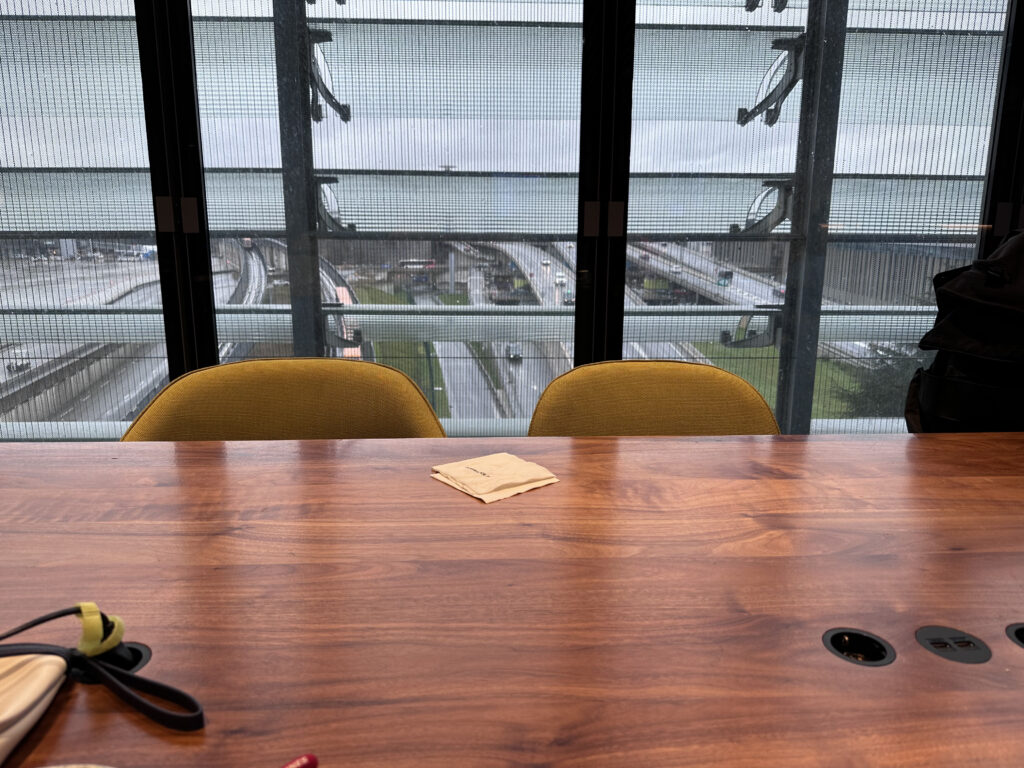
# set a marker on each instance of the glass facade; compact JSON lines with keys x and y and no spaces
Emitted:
{"x":398,"y":181}
{"x":81,"y":334}
{"x":442,"y":148}
{"x":716,"y":134}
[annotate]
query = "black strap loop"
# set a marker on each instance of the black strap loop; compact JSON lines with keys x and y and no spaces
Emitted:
{"x":124,"y":685}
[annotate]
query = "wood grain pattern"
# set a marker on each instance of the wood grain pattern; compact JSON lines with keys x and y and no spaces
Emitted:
{"x":662,"y":605}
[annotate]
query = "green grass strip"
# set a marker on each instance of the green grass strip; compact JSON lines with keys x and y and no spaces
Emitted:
{"x":417,"y":360}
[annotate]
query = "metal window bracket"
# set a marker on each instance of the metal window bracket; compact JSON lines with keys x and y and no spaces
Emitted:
{"x":744,"y":338}
{"x":326,"y":219}
{"x":770,"y":103}
{"x":751,"y":5}
{"x":317,"y":85}
{"x":333,"y":337}
{"x":782,"y":210}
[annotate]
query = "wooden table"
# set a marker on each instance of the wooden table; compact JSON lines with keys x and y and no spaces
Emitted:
{"x":663,"y":605}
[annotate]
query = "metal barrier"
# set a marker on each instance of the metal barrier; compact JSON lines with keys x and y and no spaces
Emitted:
{"x":860,"y":327}
{"x":389,"y":322}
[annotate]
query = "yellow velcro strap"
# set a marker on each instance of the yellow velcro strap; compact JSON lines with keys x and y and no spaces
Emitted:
{"x":92,"y":642}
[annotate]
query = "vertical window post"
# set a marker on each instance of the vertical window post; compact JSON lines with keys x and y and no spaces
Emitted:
{"x":812,"y":199}
{"x":292,"y":51}
{"x":167,"y":60}
{"x":605,"y":125}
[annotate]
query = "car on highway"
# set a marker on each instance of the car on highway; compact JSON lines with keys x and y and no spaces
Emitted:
{"x":545,"y":262}
{"x":560,"y":278}
{"x":514,"y":351}
{"x":568,"y":298}
{"x":18,"y":360}
{"x":676,"y":268}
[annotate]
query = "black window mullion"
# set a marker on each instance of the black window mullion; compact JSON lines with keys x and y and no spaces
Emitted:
{"x":166,"y":56}
{"x":824,"y":47}
{"x":605,"y":129}
{"x":291,"y":55}
{"x":1003,"y":202}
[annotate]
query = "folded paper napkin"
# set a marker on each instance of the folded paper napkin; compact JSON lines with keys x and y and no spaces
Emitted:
{"x":493,"y":477}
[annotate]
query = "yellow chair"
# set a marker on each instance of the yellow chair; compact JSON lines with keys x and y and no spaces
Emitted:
{"x":288,"y":399}
{"x":650,"y":397}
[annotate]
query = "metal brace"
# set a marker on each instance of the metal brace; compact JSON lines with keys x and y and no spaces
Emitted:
{"x":752,"y":339}
{"x":782,"y":210}
{"x":770,"y":103}
{"x":326,"y":221}
{"x":317,"y":86}
{"x":751,"y":5}
{"x":334,"y":338}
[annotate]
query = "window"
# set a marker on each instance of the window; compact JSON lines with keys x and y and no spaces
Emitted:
{"x":81,"y":333}
{"x":716,"y":171}
{"x":401,"y":182}
{"x":441,"y":142}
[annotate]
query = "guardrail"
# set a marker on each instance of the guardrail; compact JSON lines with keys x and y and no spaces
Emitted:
{"x":389,"y":322}
{"x":432,"y":323}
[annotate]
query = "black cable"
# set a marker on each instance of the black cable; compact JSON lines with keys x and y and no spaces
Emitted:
{"x":73,"y":611}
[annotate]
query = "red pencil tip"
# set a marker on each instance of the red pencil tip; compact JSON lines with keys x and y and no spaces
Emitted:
{"x":304,"y":761}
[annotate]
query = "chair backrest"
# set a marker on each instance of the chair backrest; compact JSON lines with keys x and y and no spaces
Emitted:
{"x":651,"y":397}
{"x":288,"y":399}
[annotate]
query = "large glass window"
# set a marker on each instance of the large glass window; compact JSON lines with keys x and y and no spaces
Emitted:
{"x":716,"y":111}
{"x":398,"y":181}
{"x":81,"y":334}
{"x":439,"y":175}
{"x":915,"y":120}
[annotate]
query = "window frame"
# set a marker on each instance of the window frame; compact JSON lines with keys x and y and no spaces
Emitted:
{"x":609,"y":26}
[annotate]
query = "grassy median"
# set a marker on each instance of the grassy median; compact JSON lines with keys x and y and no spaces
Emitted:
{"x":417,"y":360}
{"x":482,"y":351}
{"x":833,"y":381}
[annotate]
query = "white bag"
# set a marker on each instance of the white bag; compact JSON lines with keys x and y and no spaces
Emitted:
{"x":27,"y":686}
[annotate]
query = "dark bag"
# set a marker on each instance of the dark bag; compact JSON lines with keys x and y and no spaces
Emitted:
{"x":976,"y":382}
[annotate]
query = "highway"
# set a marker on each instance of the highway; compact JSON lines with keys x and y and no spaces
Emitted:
{"x":29,"y":284}
{"x":128,"y":375}
{"x":658,"y":350}
{"x":139,"y":374}
{"x":530,"y":260}
{"x":121,"y":378}
{"x":469,"y":396}
{"x":524,"y":380}
{"x":699,"y":272}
